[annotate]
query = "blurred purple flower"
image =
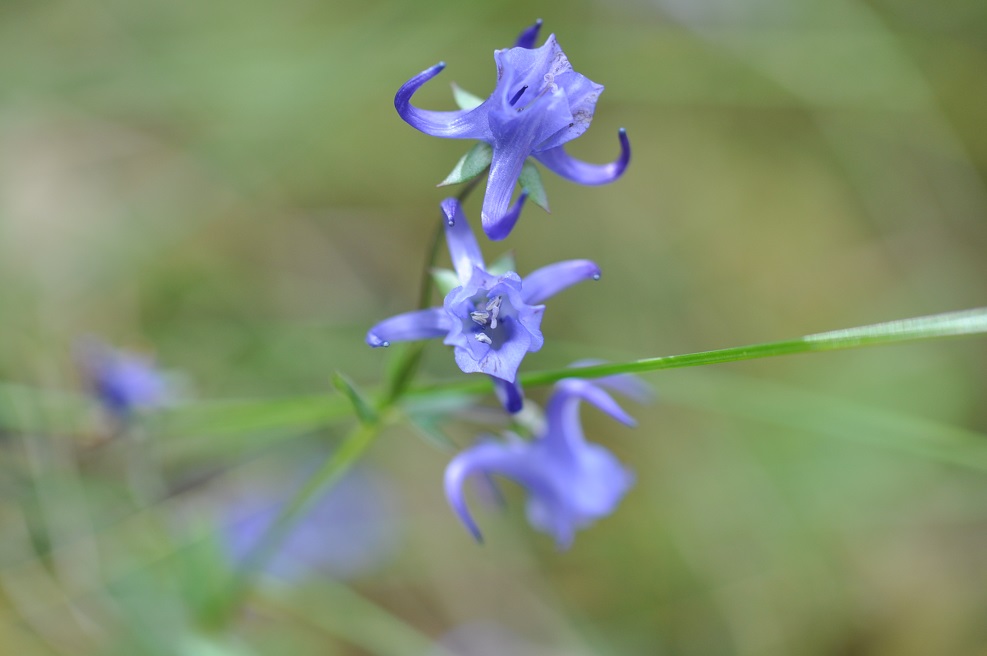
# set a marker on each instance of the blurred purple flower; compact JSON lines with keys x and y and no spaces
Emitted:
{"x":351,"y":529}
{"x":570,"y":482}
{"x":122,"y":382}
{"x":539,"y":104}
{"x":486,"y":638}
{"x":491,"y":321}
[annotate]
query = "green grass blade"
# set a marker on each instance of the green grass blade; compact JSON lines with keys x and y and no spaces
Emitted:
{"x":949,"y":324}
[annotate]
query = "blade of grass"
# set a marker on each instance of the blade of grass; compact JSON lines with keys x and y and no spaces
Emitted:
{"x":949,"y":324}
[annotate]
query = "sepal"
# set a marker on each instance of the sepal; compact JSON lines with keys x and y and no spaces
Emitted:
{"x":470,"y":165}
{"x":464,"y":99}
{"x":503,"y":264}
{"x":530,"y":181}
{"x":445,"y":280}
{"x":365,"y":412}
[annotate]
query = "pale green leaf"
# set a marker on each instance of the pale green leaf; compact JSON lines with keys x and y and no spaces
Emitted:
{"x":470,"y":165}
{"x":530,"y":181}
{"x":465,"y":99}
{"x":445,"y":280}
{"x":364,"y":409}
{"x":503,"y":264}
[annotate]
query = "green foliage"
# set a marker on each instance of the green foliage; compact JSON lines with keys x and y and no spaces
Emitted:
{"x":473,"y":163}
{"x":530,"y":181}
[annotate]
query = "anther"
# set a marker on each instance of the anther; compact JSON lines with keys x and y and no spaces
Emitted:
{"x":480,"y":317}
{"x":482,"y":338}
{"x":517,"y":96}
{"x":494,"y":308}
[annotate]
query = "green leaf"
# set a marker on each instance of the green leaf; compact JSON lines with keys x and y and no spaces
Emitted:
{"x":470,"y":165}
{"x":503,"y":264}
{"x":530,"y":181}
{"x":364,"y":410}
{"x":465,"y":99}
{"x":428,"y":429}
{"x":445,"y":280}
{"x":805,"y":410}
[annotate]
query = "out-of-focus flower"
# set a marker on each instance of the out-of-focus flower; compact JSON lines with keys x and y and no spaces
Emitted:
{"x":570,"y":482}
{"x":123,"y":382}
{"x":351,"y":529}
{"x":486,"y":638}
{"x":539,"y":104}
{"x":492,"y":321}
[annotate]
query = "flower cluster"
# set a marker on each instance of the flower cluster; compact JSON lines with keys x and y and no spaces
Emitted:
{"x":491,"y":316}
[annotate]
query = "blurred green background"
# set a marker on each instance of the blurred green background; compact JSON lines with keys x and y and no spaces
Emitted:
{"x":227,"y":185}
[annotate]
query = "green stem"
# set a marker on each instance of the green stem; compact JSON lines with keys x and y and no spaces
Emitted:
{"x":352,"y":448}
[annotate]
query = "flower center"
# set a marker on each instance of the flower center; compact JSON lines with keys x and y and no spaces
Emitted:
{"x":550,"y":86}
{"x":489,"y":319}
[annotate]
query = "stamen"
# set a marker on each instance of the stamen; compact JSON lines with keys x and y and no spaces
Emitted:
{"x":494,"y":308}
{"x":482,"y":338}
{"x":480,"y":317}
{"x":517,"y":96}
{"x":550,"y":87}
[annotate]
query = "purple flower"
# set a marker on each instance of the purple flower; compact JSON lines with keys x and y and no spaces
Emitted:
{"x":490,"y":320}
{"x":570,"y":482}
{"x":121,"y":381}
{"x":350,"y":530}
{"x":539,"y":104}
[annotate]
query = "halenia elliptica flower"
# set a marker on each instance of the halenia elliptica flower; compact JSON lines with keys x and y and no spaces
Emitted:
{"x":539,"y":104}
{"x":570,"y":482}
{"x":490,"y":320}
{"x":122,"y":382}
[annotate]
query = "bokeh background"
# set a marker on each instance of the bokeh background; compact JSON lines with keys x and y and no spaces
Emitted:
{"x":227,"y":186}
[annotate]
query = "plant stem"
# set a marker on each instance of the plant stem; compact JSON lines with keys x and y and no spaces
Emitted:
{"x":352,"y":448}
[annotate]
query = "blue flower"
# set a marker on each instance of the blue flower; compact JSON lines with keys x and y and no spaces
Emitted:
{"x":570,"y":482}
{"x":539,"y":104}
{"x":490,"y":320}
{"x":351,"y":529}
{"x":122,"y":382}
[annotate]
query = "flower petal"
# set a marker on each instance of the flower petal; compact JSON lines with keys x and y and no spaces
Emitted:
{"x":627,"y":384}
{"x":510,"y":395}
{"x":582,"y":94}
{"x":496,"y":226}
{"x":527,"y":38}
{"x":463,"y":249}
{"x":420,"y":324}
{"x":563,"y":408}
{"x":586,"y":488}
{"x":548,"y":281}
{"x":488,"y":457}
{"x":501,"y":362}
{"x":558,"y":161}
{"x":462,"y":124}
{"x":527,"y":67}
